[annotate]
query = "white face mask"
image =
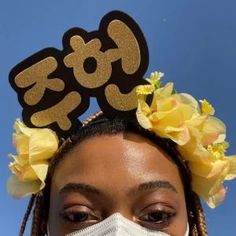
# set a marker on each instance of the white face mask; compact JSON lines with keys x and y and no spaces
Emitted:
{"x":118,"y":225}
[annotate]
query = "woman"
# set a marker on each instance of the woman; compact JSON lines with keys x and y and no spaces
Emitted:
{"x":112,"y":166}
{"x":114,"y":171}
{"x":117,"y":174}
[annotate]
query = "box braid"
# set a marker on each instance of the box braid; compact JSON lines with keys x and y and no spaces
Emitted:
{"x":97,"y":125}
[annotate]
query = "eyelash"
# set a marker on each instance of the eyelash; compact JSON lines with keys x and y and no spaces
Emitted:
{"x":78,"y":216}
{"x":156,"y":219}
{"x":153,"y":219}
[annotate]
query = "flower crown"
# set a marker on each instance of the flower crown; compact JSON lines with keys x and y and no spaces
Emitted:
{"x":200,"y":137}
{"x":95,"y":62}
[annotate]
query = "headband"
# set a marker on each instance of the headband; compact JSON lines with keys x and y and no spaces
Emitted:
{"x":54,"y":89}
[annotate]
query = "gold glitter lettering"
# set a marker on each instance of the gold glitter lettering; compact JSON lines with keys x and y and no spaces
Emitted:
{"x":83,"y":51}
{"x":128,"y":47}
{"x":58,"y":113}
{"x":120,"y":101}
{"x":37,"y":75}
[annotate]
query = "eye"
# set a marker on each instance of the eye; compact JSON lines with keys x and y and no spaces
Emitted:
{"x":156,"y":219}
{"x":79,"y":215}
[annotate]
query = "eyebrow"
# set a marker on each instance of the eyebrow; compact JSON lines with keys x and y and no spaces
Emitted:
{"x":80,"y":187}
{"x":157,"y":184}
{"x":146,"y":186}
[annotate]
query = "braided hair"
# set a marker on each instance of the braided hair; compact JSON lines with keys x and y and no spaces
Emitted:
{"x":97,"y":125}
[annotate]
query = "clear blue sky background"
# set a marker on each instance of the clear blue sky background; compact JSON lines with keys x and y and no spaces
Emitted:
{"x":192,"y":41}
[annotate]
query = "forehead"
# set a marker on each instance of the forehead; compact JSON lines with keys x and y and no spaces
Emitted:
{"x":122,"y":159}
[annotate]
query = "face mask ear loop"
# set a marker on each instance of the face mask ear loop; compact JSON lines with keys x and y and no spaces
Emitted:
{"x":47,"y":233}
{"x":187,"y":230}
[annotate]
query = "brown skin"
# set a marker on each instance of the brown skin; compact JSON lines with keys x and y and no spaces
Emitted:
{"x":119,"y":173}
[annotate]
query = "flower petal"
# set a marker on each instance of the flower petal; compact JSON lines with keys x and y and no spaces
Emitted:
{"x":217,"y":169}
{"x":232,"y":168}
{"x":211,"y":190}
{"x":19,"y":189}
{"x":21,"y":128}
{"x":35,"y":147}
{"x":141,"y":114}
{"x":42,"y":145}
{"x":212,"y":130}
{"x":216,"y":199}
{"x":41,"y":170}
{"x":21,"y":142}
{"x":179,"y":135}
{"x":144,"y":89}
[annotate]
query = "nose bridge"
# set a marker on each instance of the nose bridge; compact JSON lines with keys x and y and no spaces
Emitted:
{"x":119,"y":196}
{"x":118,"y":202}
{"x":124,"y":210}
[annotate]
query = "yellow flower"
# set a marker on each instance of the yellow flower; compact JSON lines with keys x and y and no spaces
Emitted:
{"x":207,"y":108}
{"x":144,"y":89}
{"x":154,"y":83}
{"x":200,"y":137}
{"x":155,"y":78}
{"x":194,"y":151}
{"x":169,"y":120}
{"x":206,"y":130}
{"x":168,"y":114}
{"x":218,"y":149}
{"x":212,"y":130}
{"x":142,"y":113}
{"x":208,"y":178}
{"x":35,"y":147}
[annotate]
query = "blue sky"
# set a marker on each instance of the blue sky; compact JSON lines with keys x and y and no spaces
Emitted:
{"x":192,"y":41}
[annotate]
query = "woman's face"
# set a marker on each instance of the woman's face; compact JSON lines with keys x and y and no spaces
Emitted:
{"x":117,"y":173}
